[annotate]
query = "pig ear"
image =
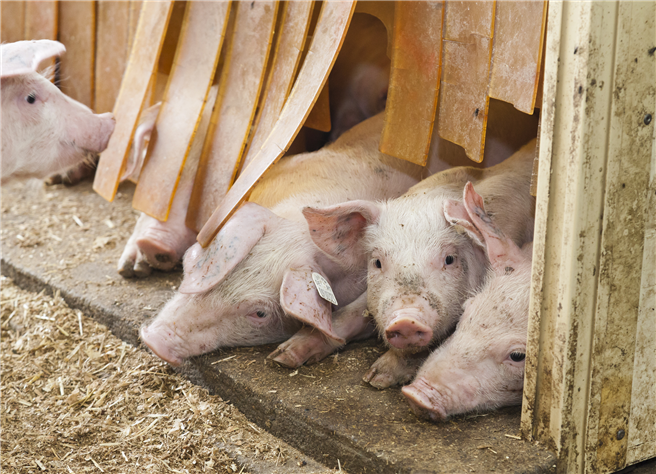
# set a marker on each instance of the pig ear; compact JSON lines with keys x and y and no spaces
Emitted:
{"x":141,"y":136}
{"x":299,"y":298}
{"x":502,"y":252}
{"x":338,"y":230}
{"x":23,"y":57}
{"x":205,"y":268}
{"x":456,"y":214}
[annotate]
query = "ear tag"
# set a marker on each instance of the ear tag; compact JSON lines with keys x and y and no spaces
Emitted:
{"x":324,"y":289}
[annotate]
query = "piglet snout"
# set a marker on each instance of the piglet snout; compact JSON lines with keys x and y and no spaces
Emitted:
{"x":425,"y":400}
{"x":159,"y":340}
{"x":406,"y":331}
{"x":105,"y":127}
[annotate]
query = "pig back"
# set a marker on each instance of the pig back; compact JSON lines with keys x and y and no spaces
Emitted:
{"x":505,"y":189}
{"x":350,"y":168}
{"x":449,"y":182}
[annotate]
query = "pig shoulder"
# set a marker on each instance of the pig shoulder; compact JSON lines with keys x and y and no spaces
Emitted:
{"x":506,"y":192}
{"x":449,"y":181}
{"x":349,"y":169}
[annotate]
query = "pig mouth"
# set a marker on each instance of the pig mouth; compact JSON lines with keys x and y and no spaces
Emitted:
{"x":77,"y":155}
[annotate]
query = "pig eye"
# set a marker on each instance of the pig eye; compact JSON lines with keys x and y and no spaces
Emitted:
{"x":449,"y":259}
{"x":517,"y":356}
{"x":378,"y":264}
{"x":261,"y":314}
{"x":31,"y":98}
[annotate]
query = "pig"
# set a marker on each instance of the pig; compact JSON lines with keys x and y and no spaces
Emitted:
{"x":422,"y":255}
{"x":507,"y":131}
{"x":255,"y":283}
{"x":359,"y":80}
{"x":87,"y":169}
{"x":358,"y":89}
{"x":43,"y":130}
{"x":481,"y":365}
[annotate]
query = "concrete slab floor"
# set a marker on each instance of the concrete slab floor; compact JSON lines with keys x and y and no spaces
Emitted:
{"x":70,"y":240}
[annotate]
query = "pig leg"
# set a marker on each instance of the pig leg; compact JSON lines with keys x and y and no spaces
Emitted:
{"x":394,"y":368}
{"x":132,"y":263}
{"x":309,"y":346}
{"x":163,"y":244}
{"x":156,"y":244}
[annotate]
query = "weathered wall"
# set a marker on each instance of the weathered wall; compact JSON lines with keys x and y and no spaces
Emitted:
{"x":590,"y":377}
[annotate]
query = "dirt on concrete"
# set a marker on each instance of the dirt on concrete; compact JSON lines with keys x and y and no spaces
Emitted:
{"x":75,"y":398}
{"x":324,"y":410}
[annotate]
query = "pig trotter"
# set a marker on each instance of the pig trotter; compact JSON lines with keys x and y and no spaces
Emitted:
{"x":307,"y":346}
{"x":392,"y":368}
{"x":154,"y":244}
{"x":126,"y":267}
{"x":132,"y":263}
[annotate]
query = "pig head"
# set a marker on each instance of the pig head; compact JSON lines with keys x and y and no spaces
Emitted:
{"x":43,"y":130}
{"x":481,"y":365}
{"x":253,"y":285}
{"x":419,"y":269}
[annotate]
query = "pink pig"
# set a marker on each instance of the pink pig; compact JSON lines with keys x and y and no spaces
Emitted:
{"x":423,"y":258}
{"x":43,"y":130}
{"x":254,"y":284}
{"x":481,"y":365}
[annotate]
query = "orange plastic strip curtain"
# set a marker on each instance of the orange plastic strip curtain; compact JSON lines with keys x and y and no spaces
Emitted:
{"x":327,"y":41}
{"x":241,"y":82}
{"x":293,"y":32}
{"x":12,"y":26}
{"x":112,"y":46}
{"x":134,"y":88}
{"x":518,"y":37}
{"x":319,"y":118}
{"x":414,"y":80}
{"x":77,"y":30}
{"x":469,"y":27}
{"x":133,"y":19}
{"x":41,"y":20}
{"x":185,"y":97}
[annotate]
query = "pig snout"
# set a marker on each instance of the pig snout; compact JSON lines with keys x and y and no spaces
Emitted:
{"x":161,"y":341}
{"x":425,"y":400}
{"x":406,"y":330}
{"x":94,"y":135}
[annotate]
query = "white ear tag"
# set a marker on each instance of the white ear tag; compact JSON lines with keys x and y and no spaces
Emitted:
{"x":324,"y":289}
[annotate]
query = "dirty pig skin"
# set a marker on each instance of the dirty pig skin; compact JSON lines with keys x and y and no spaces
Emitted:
{"x":253,"y":284}
{"x":481,"y":365}
{"x":423,"y":260}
